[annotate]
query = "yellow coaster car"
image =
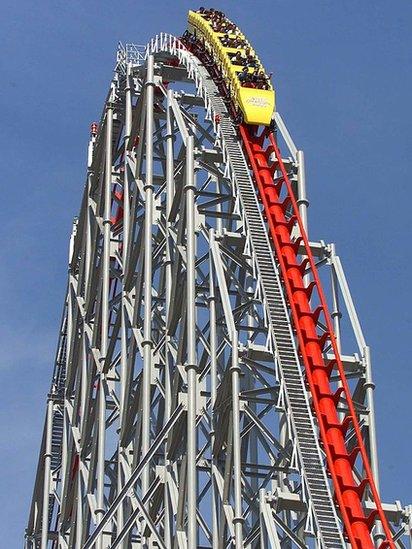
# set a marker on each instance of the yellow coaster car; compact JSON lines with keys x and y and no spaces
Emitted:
{"x":245,"y":78}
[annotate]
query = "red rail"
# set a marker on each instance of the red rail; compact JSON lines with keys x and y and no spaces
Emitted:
{"x":260,"y":149}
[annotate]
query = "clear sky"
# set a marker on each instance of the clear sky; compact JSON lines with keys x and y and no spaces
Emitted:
{"x":343,"y":76}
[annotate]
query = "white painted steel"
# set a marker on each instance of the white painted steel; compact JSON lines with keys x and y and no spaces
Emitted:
{"x":178,"y":415}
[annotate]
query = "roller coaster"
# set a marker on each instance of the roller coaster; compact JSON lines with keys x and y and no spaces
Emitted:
{"x":225,"y":48}
{"x":203,"y":394}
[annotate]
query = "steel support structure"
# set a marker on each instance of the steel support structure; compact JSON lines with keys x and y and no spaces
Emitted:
{"x":179,"y":414}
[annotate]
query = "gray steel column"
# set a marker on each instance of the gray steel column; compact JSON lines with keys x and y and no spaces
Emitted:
{"x":47,"y":473}
{"x":79,"y":514}
{"x":373,"y":447}
{"x":83,"y":384}
{"x":370,"y":387}
{"x":253,"y":440}
{"x":125,"y":251}
{"x":170,"y":190}
{"x":263,"y":542}
{"x":126,"y":228}
{"x":148,"y":221}
{"x":88,"y":230}
{"x":213,"y":394}
{"x":335,"y":314}
{"x":168,"y":518}
{"x":237,"y":467}
{"x":191,"y":366}
{"x":104,"y":315}
{"x":302,"y":201}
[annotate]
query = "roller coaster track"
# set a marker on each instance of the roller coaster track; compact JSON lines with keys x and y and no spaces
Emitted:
{"x":304,"y":428}
{"x":311,"y":344}
{"x":306,"y":483}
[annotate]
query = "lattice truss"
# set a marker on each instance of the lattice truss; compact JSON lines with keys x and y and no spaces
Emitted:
{"x":168,"y":423}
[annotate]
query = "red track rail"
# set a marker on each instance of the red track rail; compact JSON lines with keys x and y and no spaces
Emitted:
{"x":340,"y":461}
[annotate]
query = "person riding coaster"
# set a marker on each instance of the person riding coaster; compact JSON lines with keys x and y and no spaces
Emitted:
{"x":238,"y":58}
{"x":256,"y":79}
{"x":233,"y":42}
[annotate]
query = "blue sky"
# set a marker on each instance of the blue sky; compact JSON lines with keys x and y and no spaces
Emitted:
{"x":342,"y":70}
